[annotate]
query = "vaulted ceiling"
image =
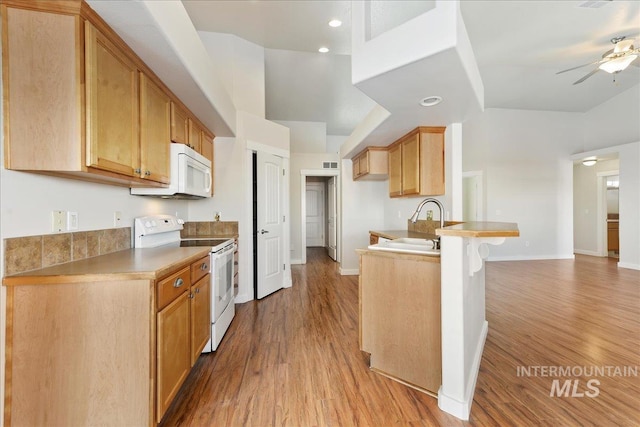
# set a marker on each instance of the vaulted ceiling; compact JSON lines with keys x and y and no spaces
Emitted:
{"x":519,"y":47}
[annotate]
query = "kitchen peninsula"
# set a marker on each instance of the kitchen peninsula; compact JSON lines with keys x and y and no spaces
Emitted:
{"x":422,"y":317}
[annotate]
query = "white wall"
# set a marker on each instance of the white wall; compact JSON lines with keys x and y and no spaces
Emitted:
{"x":307,"y":137}
{"x":362,"y":210}
{"x":525,"y":157}
{"x":240,"y":65}
{"x":614,"y":122}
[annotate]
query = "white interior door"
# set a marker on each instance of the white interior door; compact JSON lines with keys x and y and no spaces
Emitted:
{"x":270,"y":228}
{"x":332,"y":213}
{"x":315,"y":214}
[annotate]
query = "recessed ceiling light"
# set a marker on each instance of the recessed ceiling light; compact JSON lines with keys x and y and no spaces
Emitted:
{"x":430,"y":101}
{"x":323,"y":50}
{"x":335,"y":23}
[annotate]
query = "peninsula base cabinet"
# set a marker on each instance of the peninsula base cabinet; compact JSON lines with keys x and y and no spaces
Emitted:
{"x":110,"y":352}
{"x":400,"y":317}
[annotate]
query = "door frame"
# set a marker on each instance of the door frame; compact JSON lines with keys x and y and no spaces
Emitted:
{"x":323,"y":187}
{"x":304,"y":173}
{"x":601,"y":214}
{"x":478,"y":176}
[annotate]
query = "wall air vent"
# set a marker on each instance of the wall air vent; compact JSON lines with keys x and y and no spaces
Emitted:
{"x":329,"y":165}
{"x":594,"y":4}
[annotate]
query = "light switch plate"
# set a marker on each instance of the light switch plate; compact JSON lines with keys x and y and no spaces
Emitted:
{"x":72,"y":220}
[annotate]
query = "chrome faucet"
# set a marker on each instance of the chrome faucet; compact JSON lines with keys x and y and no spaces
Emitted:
{"x":414,"y":217}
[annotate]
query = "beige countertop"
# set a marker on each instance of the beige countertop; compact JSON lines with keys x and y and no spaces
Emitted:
{"x":129,"y":264}
{"x":481,"y":229}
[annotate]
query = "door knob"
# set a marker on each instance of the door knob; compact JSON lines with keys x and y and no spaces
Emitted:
{"x":263,"y":231}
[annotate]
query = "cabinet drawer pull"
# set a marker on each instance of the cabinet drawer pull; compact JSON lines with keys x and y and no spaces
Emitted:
{"x":147,"y":173}
{"x":190,"y":296}
{"x":137,"y":170}
{"x":179,"y":282}
{"x":204,"y":266}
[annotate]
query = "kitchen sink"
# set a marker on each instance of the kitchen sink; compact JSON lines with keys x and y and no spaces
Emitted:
{"x":408,"y":245}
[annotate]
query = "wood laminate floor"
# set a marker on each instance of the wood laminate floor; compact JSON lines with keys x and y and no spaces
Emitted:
{"x":292,"y":359}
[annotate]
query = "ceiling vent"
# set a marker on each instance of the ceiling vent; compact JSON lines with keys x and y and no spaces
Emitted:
{"x":329,"y":165}
{"x":594,"y":4}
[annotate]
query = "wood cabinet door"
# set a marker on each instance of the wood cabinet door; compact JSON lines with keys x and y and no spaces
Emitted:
{"x":174,"y":356}
{"x":200,"y":316}
{"x":207,"y":149}
{"x":364,"y":163}
{"x":179,"y":127}
{"x":194,"y":136}
{"x":395,"y":171}
{"x":155,"y":111}
{"x":356,"y":167}
{"x":411,"y":165}
{"x":112,"y":105}
{"x":432,"y":163}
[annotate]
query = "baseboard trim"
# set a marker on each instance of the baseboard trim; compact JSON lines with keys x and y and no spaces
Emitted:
{"x":530,"y":258}
{"x":242,"y":298}
{"x":583,"y":252}
{"x":349,"y":271}
{"x":629,"y":265}
{"x":296,"y":261}
{"x":463,"y":409}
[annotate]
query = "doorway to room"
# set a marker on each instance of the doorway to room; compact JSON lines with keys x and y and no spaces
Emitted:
{"x":319,"y":212}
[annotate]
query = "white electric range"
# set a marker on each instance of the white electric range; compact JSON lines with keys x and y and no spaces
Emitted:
{"x":162,"y":230}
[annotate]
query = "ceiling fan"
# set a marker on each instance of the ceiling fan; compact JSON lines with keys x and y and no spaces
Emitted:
{"x":614,"y":60}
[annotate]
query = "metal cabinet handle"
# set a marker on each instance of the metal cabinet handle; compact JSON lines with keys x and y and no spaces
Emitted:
{"x":179,"y":282}
{"x":204,"y":266}
{"x":263,"y":231}
{"x":190,"y":296}
{"x":137,"y":170}
{"x":147,"y":173}
{"x":197,"y":290}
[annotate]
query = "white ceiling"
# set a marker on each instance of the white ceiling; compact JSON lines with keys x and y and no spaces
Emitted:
{"x":519,"y":46}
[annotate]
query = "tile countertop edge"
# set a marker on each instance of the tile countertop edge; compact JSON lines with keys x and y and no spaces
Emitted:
{"x":129,"y":264}
{"x":481,"y":229}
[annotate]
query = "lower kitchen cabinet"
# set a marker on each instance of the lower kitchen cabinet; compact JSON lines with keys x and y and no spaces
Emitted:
{"x":174,"y":355}
{"x":89,"y":347}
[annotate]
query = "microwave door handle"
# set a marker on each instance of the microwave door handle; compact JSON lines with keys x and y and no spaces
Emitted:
{"x":208,"y":174}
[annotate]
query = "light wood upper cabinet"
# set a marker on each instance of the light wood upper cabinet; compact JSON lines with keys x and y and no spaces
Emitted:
{"x":79,"y":103}
{"x":112,"y":106}
{"x":207,"y":150}
{"x":154,"y":131}
{"x":195,"y":135}
{"x":416,"y":163}
{"x":179,"y":130}
{"x":371,"y":164}
{"x":395,"y":170}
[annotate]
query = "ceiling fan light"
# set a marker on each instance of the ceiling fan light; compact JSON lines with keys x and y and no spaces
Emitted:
{"x":618,"y":64}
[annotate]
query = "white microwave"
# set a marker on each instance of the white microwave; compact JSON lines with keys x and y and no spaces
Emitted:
{"x":190,"y":176}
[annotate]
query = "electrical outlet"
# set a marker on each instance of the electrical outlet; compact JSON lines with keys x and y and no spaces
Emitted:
{"x":72,"y":220}
{"x":117,"y":219}
{"x":58,"y":221}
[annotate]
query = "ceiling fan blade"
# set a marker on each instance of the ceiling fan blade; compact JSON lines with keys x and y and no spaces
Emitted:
{"x":579,"y":66}
{"x":623,"y":45}
{"x":595,"y":70}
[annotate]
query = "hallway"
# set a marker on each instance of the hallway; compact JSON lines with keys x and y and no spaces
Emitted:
{"x":293,"y":358}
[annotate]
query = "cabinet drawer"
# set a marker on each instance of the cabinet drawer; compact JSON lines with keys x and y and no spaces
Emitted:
{"x":171,"y":287}
{"x":200,"y":268}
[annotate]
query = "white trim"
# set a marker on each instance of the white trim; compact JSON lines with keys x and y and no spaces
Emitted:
{"x":629,"y":265}
{"x":584,"y":252}
{"x":257,"y":146}
{"x":530,"y":257}
{"x":296,"y":261}
{"x":479,"y":175}
{"x":304,"y":173}
{"x":349,"y":271}
{"x":242,"y":298}
{"x":454,"y":406}
{"x":601,"y":211}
